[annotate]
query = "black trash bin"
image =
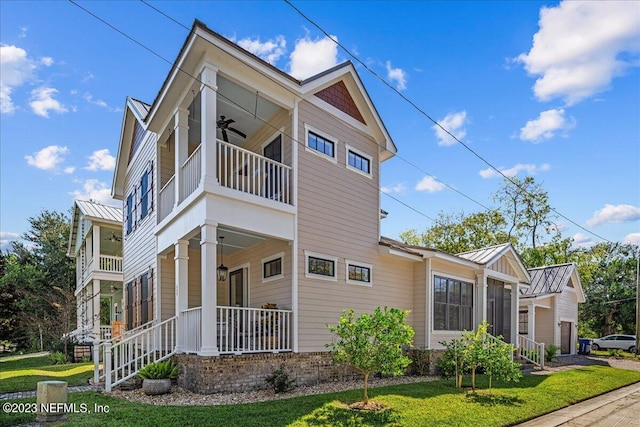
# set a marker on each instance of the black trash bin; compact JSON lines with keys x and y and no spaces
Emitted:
{"x":585,"y":346}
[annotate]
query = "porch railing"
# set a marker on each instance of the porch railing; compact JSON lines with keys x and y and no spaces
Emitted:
{"x":111,"y":263}
{"x":123,"y":359}
{"x":249,"y":172}
{"x":531,"y":350}
{"x":190,"y":174}
{"x":105,"y":332}
{"x":239,"y":330}
{"x":167,"y":198}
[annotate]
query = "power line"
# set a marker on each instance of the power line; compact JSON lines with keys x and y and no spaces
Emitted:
{"x":435,"y":122}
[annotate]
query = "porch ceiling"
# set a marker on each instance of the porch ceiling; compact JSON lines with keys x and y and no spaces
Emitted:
{"x":234,"y":240}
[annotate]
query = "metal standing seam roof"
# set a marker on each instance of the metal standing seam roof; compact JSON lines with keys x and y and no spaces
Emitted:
{"x":99,"y":211}
{"x":549,"y":279}
{"x":484,"y":255}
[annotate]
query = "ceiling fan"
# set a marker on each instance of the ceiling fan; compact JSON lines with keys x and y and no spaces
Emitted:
{"x":114,"y":288}
{"x":114,"y":238}
{"x":223,"y":125}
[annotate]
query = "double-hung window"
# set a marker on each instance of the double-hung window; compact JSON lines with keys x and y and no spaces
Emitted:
{"x":146,"y":192}
{"x":130,"y":213}
{"x":452,"y":304}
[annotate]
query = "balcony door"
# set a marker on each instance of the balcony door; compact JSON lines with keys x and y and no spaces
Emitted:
{"x":273,"y":180}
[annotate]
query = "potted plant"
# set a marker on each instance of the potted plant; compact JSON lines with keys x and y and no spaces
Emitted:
{"x":157,"y":377}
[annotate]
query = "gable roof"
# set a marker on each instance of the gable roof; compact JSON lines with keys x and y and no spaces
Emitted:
{"x":489,"y":255}
{"x":554,"y":279}
{"x":92,"y":211}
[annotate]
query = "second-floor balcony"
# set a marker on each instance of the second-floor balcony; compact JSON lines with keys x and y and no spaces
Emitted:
{"x":237,"y":169}
{"x":103,"y":264}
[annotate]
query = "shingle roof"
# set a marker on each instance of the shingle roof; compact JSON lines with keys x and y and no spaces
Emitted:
{"x":99,"y":211}
{"x":549,"y":279}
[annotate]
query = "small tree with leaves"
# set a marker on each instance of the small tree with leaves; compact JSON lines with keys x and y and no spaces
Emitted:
{"x":372,"y":342}
{"x":497,"y":362}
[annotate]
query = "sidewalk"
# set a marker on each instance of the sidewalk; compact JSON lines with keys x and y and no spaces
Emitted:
{"x":620,"y":407}
{"x":32,"y":393}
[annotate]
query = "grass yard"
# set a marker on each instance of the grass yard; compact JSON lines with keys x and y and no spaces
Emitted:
{"x":23,"y":373}
{"x":436,"y":403}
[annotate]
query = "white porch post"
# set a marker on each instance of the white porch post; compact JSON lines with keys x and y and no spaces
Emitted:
{"x":208,"y":326}
{"x":208,"y":124}
{"x":181,"y":137}
{"x":531,"y":321}
{"x":428,"y":303}
{"x":481,"y":299}
{"x":515,"y":315}
{"x":182,"y":286}
{"x":95,"y":318}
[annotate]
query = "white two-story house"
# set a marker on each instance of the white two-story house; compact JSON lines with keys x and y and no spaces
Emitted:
{"x":252,"y":220}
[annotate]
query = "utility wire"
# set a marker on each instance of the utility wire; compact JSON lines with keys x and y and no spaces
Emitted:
{"x":435,"y":122}
{"x":265,"y":121}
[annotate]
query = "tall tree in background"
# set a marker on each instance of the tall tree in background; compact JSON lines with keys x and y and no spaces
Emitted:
{"x":456,"y":233}
{"x":38,"y":281}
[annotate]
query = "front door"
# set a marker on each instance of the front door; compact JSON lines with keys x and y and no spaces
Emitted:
{"x":565,"y":337}
{"x":273,"y":179}
{"x":237,"y":294}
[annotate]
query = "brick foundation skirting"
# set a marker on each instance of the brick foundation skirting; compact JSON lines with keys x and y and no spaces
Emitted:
{"x":246,"y":372}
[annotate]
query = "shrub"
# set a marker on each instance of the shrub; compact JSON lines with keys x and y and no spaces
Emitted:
{"x":280,"y":380}
{"x":57,"y":358}
{"x":421,"y":360}
{"x":615,"y":352}
{"x":159,"y":370}
{"x":550,"y":352}
{"x":86,"y":359}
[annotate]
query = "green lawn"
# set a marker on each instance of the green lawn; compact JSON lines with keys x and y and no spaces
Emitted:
{"x":435,"y":403}
{"x":23,"y":373}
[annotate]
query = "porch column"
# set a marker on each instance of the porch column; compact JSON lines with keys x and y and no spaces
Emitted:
{"x":181,"y":137}
{"x":208,"y":124}
{"x":182,"y":285}
{"x":95,"y":318}
{"x":209,"y":323}
{"x":531,"y":321}
{"x":515,"y":315}
{"x":481,"y":297}
{"x":96,"y":247}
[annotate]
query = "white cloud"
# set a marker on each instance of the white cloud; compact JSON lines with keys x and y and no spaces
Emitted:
{"x":582,"y":241}
{"x":6,"y":237}
{"x":430,"y":185}
{"x":48,"y":158}
{"x":529,"y":169}
{"x":454,"y":123}
{"x":397,"y":75}
{"x":23,"y":32}
{"x":614,"y":214}
{"x":47,"y":61}
{"x":399,"y":188}
{"x":101,"y":160}
{"x":310,"y":57}
{"x":100,"y":103}
{"x":92,"y":189}
{"x":581,"y":46}
{"x":545,"y":126}
{"x":15,"y":69}
{"x":42,"y":102}
{"x":632,"y":239}
{"x":270,"y":51}
{"x":69,"y":170}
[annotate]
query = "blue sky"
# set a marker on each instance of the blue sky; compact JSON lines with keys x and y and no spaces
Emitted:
{"x":541,"y":88}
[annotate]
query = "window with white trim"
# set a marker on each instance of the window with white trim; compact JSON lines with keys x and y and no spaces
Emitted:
{"x":321,"y":144}
{"x":320,"y":266}
{"x":272,"y":267}
{"x":452,"y":304}
{"x":358,"y":161}
{"x":358,"y":273}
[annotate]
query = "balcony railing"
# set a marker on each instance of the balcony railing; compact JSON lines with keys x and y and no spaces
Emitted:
{"x":167,"y":198}
{"x":190,"y":174}
{"x":249,"y":172}
{"x":111,"y":263}
{"x":239,"y":330}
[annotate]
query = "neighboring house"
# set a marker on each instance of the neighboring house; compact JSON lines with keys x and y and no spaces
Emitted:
{"x":95,"y":242}
{"x":252,"y":220}
{"x":548,"y":309}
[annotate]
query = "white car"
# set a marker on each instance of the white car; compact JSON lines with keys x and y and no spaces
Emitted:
{"x":622,"y":342}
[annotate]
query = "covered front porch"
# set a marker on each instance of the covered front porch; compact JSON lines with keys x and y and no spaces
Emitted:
{"x":230,"y":290}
